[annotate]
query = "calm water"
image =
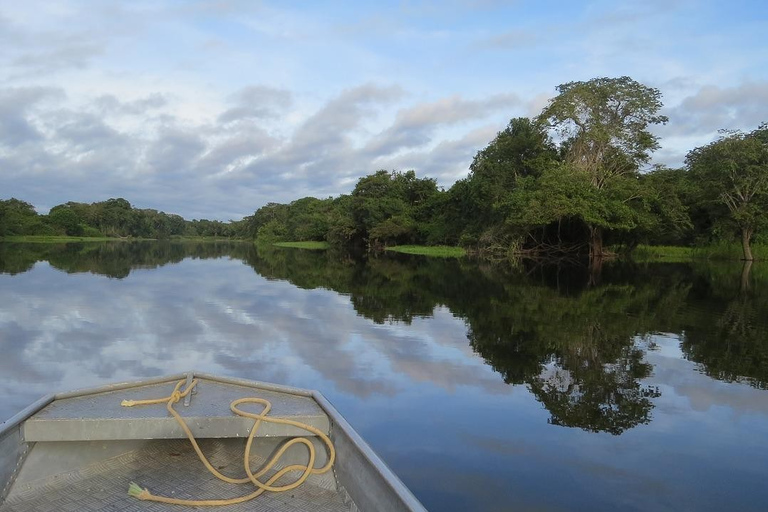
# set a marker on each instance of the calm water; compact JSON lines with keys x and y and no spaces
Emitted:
{"x":484,"y":387}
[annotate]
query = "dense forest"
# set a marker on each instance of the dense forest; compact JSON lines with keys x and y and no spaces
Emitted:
{"x":572,"y":181}
{"x":569,"y":181}
{"x":112,"y":218}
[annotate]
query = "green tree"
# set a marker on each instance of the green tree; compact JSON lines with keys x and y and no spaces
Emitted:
{"x":733,"y":170}
{"x":603,"y":125}
{"x":662,"y":210}
{"x":19,"y":218}
{"x":387,"y":207}
{"x":66,"y":219}
{"x":476,"y":208}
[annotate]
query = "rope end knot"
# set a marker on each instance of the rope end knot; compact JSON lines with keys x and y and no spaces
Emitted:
{"x":128,"y":403}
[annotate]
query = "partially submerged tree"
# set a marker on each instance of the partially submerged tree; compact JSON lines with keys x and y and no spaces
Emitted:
{"x":603,"y":128}
{"x":733,"y":170}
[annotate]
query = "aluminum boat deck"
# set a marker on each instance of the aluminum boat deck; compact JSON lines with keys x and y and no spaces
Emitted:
{"x":79,"y":451}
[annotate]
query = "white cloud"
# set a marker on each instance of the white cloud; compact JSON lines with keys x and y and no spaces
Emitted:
{"x":213,"y":109}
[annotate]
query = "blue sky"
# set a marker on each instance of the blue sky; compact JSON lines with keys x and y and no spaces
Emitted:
{"x":212,"y":109}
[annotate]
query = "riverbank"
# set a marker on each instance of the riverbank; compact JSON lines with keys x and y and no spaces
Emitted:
{"x":313,"y":246}
{"x":67,"y":239}
{"x":720,"y":252}
{"x":436,"y":251}
{"x":643,"y":253}
{"x":64,"y":238}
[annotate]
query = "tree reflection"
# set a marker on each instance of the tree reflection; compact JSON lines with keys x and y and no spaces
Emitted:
{"x":733,"y":344}
{"x":576,"y":348}
{"x":577,"y":343}
{"x":112,"y":259}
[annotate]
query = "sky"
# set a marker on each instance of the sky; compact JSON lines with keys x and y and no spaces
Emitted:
{"x":211,"y":109}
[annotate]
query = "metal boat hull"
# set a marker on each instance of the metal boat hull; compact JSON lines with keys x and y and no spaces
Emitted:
{"x":77,"y":451}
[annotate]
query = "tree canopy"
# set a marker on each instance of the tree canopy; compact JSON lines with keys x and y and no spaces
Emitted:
{"x":571,"y":182}
{"x":733,"y":171}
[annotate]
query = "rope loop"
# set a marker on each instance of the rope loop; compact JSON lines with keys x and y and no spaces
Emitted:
{"x":306,"y":469}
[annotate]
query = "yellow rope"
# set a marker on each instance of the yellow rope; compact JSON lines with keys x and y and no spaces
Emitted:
{"x":308,"y":469}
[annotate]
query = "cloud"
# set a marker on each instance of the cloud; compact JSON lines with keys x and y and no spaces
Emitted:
{"x":256,"y":102}
{"x":321,"y":151}
{"x":712,"y":107}
{"x":415,"y":126}
{"x":695,"y":120}
{"x":142,"y":149}
{"x":511,"y":40}
{"x":85,"y":132}
{"x":329,"y":128}
{"x":448,"y":161}
{"x":110,"y":104}
{"x":180,"y":108}
{"x":30,"y":51}
{"x":173,"y":152}
{"x":71,"y":52}
{"x":94,"y":330}
{"x":16,"y":104}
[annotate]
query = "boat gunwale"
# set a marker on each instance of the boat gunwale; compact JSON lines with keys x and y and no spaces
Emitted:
{"x":393,"y":481}
{"x":24,"y":414}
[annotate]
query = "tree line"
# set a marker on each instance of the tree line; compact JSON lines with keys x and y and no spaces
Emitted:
{"x":570,"y":181}
{"x":110,"y":218}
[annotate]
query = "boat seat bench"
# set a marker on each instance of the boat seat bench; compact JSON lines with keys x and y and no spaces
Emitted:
{"x":100,"y":417}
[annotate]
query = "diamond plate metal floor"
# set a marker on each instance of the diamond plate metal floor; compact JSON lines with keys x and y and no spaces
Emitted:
{"x":168,"y":468}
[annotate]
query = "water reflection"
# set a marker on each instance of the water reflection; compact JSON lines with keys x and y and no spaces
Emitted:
{"x":579,"y":346}
{"x":115,"y":259}
{"x":665,"y":360}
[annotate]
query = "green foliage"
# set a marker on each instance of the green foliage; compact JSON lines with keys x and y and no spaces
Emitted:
{"x":665,"y":218}
{"x":474,"y":211}
{"x":388,"y":208}
{"x":67,"y":220}
{"x":579,"y":347}
{"x":315,"y":246}
{"x":18,"y":218}
{"x":114,"y":218}
{"x":438,"y":251}
{"x":115,"y":258}
{"x":733,"y":171}
{"x":662,"y":252}
{"x":603,"y":124}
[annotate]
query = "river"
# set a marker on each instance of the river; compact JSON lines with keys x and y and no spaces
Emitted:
{"x":483,"y":386}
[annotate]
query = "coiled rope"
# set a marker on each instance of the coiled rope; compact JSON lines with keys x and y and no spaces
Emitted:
{"x":308,"y":469}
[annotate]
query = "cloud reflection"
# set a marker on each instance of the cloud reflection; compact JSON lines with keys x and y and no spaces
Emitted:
{"x":64,"y":331}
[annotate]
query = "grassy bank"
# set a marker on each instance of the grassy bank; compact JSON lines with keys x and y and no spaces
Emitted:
{"x":176,"y":238}
{"x":721,"y":251}
{"x":437,"y":251}
{"x":315,"y":246}
{"x":669,"y":253}
{"x":64,"y":239}
{"x":61,"y":238}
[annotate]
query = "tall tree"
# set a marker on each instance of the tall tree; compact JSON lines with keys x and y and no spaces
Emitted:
{"x":733,"y":170}
{"x":522,"y":150}
{"x":603,"y":127}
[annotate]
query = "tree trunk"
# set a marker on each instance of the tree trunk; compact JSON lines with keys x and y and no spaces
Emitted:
{"x":746,"y":234}
{"x":595,"y":243}
{"x":745,"y":276}
{"x":595,"y":271}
